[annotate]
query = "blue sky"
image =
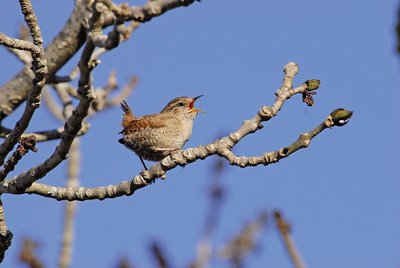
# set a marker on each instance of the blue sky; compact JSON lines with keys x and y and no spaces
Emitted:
{"x":341,"y":194}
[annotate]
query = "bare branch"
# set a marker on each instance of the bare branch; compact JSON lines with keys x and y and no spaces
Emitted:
{"x":66,"y":78}
{"x":52,"y":106}
{"x":147,"y":12}
{"x":70,"y":207}
{"x":63,"y":92}
{"x":74,"y":122}
{"x":245,"y":242}
{"x":21,"y":55}
{"x":70,"y":40}
{"x":119,"y":34}
{"x":61,"y":49}
{"x":78,"y":193}
{"x":124,"y":263}
{"x":26,"y":144}
{"x":205,"y":243}
{"x":28,"y":254}
{"x":102,"y":101}
{"x":159,"y":255}
{"x":46,"y":135}
{"x":111,"y":83}
{"x":5,"y":234}
{"x":158,"y":170}
{"x":124,"y":93}
{"x":271,"y":157}
{"x":39,"y":67}
{"x":31,"y":21}
{"x":59,"y":79}
{"x":113,"y":38}
{"x":15,"y":43}
{"x":284,"y":231}
{"x":221,"y":147}
{"x":103,"y":95}
{"x":24,"y":33}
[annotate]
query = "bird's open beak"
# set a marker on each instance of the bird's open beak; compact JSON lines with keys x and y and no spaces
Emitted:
{"x":191,"y":105}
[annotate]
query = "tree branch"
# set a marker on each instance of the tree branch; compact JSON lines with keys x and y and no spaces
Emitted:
{"x":39,"y":67}
{"x":26,"y":144}
{"x":62,"y":48}
{"x":24,"y":56}
{"x":205,"y":247}
{"x":221,"y":147}
{"x":51,"y":105}
{"x":103,"y":100}
{"x":5,"y":234}
{"x":28,"y":254}
{"x":147,"y":12}
{"x":158,"y":170}
{"x":244,"y":242}
{"x":159,"y":255}
{"x":15,"y":43}
{"x":74,"y":122}
{"x":70,"y":207}
{"x":70,"y":40}
{"x":46,"y":135}
{"x":284,"y":231}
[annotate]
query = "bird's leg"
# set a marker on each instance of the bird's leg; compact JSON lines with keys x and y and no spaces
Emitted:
{"x":141,"y":160}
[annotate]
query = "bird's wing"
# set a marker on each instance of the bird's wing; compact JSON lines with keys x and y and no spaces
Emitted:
{"x":143,"y":122}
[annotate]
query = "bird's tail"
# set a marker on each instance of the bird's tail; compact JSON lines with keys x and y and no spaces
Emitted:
{"x":127,"y":116}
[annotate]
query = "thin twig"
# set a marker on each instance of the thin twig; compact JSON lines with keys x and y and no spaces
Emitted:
{"x":159,"y":255}
{"x":66,"y":44}
{"x":205,"y":245}
{"x":39,"y":67}
{"x":145,"y":178}
{"x":221,"y":147}
{"x":46,"y":135}
{"x":102,"y":101}
{"x":70,"y":207}
{"x":245,"y":242}
{"x":28,"y":254}
{"x":74,"y":122}
{"x":26,"y":144}
{"x":5,"y":234}
{"x":51,"y":104}
{"x":23,"y":56}
{"x":15,"y":43}
{"x":284,"y":231}
{"x":145,"y":13}
{"x":124,"y":92}
{"x":124,"y":263}
{"x":62,"y":91}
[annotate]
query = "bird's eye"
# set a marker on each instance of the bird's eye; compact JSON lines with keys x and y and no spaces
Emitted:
{"x":181,"y":104}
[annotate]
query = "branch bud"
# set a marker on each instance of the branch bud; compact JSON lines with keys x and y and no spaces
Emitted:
{"x":312,"y":84}
{"x":341,"y":116}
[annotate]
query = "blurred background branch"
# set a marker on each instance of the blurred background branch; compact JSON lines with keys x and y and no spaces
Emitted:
{"x":284,"y":229}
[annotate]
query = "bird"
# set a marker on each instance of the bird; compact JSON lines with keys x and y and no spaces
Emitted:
{"x":155,"y":136}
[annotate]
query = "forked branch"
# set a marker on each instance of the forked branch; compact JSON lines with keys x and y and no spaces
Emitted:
{"x":221,"y":147}
{"x":39,"y":67}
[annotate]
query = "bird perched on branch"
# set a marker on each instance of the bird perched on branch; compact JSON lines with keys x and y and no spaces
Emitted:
{"x":153,"y":137}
